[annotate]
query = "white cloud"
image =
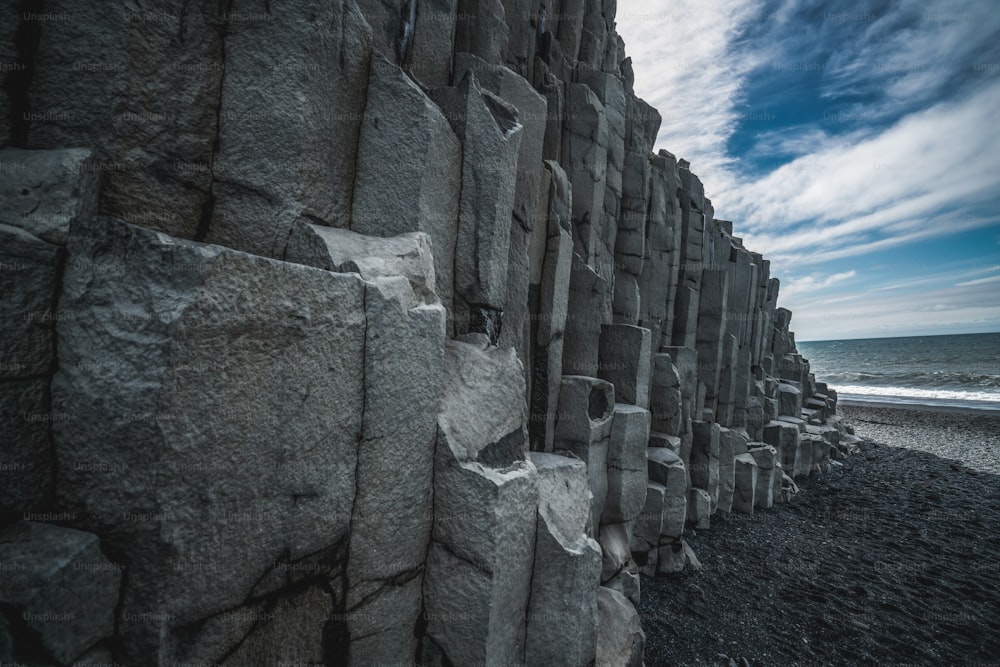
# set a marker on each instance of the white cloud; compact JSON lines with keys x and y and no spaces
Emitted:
{"x":790,"y":142}
{"x":862,"y":193}
{"x":811,"y":285}
{"x":945,"y":153}
{"x":979,"y":281}
{"x":920,"y":159}
{"x":687,"y":66}
{"x":983,"y":269}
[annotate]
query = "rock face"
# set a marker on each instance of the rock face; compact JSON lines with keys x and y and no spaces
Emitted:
{"x":486,"y":498}
{"x":626,"y":464}
{"x":566,"y":568}
{"x":58,"y":587}
{"x":667,"y":468}
{"x":29,"y":281}
{"x":44,"y":190}
{"x":491,"y":137}
{"x":364,"y":332}
{"x":403,"y":128}
{"x":208,"y":341}
{"x":400,"y":399}
{"x":41,"y":193}
{"x":586,"y":411}
{"x":480,"y":561}
{"x":551,"y":288}
{"x":745,"y":496}
{"x":329,"y":346}
{"x":482,"y":411}
{"x":290,"y":153}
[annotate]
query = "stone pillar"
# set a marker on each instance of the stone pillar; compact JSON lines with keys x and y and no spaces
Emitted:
{"x":624,"y":361}
{"x":704,"y":468}
{"x":491,"y":140}
{"x":583,"y":427}
{"x":562,"y":614}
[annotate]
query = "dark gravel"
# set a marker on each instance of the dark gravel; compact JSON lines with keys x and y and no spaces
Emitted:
{"x":891,"y":558}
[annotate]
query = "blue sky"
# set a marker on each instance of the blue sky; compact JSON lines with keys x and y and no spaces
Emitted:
{"x":855,"y":144}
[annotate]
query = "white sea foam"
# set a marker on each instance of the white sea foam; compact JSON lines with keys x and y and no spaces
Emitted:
{"x":961,"y":398}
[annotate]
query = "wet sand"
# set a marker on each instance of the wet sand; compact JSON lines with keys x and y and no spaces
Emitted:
{"x":892,"y":558}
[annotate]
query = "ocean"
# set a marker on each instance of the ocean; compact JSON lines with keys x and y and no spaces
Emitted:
{"x":952,"y":371}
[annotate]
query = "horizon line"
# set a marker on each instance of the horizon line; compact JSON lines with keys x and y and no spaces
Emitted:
{"x":838,"y":340}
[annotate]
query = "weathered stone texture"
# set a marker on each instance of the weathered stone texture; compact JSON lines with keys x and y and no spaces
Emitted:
{"x":166,"y":448}
{"x":491,"y":137}
{"x":59,"y":587}
{"x":408,"y":174}
{"x":562,"y":614}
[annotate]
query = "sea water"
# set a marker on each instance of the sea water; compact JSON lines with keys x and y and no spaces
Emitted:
{"x":955,"y":370}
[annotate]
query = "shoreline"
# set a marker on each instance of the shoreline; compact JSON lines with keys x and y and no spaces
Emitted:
{"x":971,"y":437}
{"x":917,"y":407}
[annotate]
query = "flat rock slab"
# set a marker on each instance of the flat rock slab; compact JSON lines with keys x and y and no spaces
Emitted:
{"x":342,"y":251}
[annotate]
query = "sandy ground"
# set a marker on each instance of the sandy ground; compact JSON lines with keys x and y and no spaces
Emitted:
{"x":891,"y":559}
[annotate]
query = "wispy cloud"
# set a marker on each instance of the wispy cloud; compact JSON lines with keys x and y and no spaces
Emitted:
{"x":984,"y":269}
{"x":792,"y":143}
{"x":979,"y":281}
{"x":911,"y":52}
{"x":942,"y":155}
{"x":812,"y":284}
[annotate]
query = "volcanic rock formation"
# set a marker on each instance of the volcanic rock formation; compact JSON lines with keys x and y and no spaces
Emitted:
{"x":364,"y":332}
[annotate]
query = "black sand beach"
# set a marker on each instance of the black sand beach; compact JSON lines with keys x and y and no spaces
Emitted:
{"x":891,"y":558}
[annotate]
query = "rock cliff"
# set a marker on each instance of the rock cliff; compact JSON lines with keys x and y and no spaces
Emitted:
{"x":364,"y":332}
